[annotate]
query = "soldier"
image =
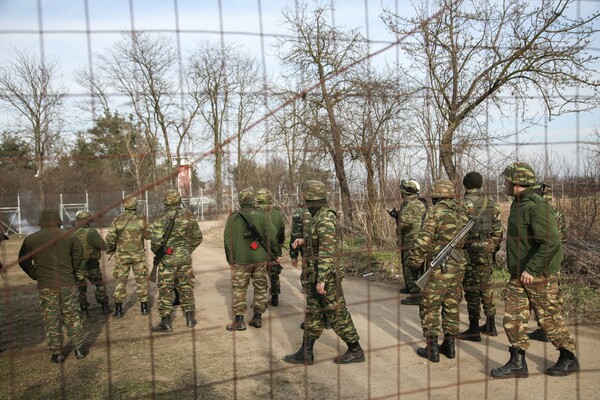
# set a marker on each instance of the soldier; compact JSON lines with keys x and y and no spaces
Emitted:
{"x":247,"y":256}
{"x":175,"y":269}
{"x":93,"y":245}
{"x":324,"y":274}
{"x":264,"y":201}
{"x":481,"y":243}
{"x":533,"y":256}
{"x":409,"y":221}
{"x":442,"y":223}
{"x":125,"y":238}
{"x":3,"y":236}
{"x":52,"y":257}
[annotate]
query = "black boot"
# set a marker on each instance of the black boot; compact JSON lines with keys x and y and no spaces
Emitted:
{"x":431,"y":351}
{"x":302,"y":325}
{"x":144,"y":307}
{"x":118,"y":310}
{"x":566,"y":364}
{"x":275,"y":300}
{"x":84,"y":312}
{"x":176,"y":300}
{"x":447,"y":348}
{"x":489,"y":328}
{"x":164,"y":326}
{"x":81,"y":352}
{"x":516,"y":367}
{"x":237,"y":325}
{"x":57,"y":358}
{"x":304,"y":355}
{"x":540,"y":335}
{"x":412,"y":300}
{"x":190,"y":320}
{"x":354,"y":354}
{"x":472,"y":333}
{"x":256,"y":321}
{"x":105,"y":308}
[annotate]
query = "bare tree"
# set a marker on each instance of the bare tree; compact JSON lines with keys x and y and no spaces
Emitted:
{"x":476,"y":50}
{"x":30,"y":92}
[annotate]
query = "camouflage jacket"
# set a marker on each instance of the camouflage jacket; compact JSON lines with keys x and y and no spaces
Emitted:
{"x":275,"y":217}
{"x":184,"y":238}
{"x":92,"y":244}
{"x":126,"y":236}
{"x":442,"y":222}
{"x":410,"y":218}
{"x":322,"y":246}
{"x":296,"y":229}
{"x":487,"y":233}
{"x":532,"y":237}
{"x":561,"y":224}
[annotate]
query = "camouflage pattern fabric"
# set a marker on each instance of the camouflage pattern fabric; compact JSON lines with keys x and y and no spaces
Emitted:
{"x":276,"y":220}
{"x":408,"y":225}
{"x":519,"y":173}
{"x":240,"y":279}
{"x":544,"y":296}
{"x":175,"y":270}
{"x":125,"y":237}
{"x":442,"y":222}
{"x":60,"y":306}
{"x":92,"y":244}
{"x":296,"y":230}
{"x":121,"y":273}
{"x":94,"y":276}
{"x":314,"y":190}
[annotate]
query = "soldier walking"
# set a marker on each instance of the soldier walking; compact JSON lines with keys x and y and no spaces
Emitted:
{"x":125,"y":239}
{"x":52,"y":257}
{"x":175,"y":269}
{"x":324,"y":274}
{"x":533,"y":255}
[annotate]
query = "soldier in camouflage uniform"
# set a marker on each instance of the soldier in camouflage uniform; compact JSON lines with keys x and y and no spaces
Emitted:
{"x":442,"y":223}
{"x":533,"y":256}
{"x":481,"y":243}
{"x":247,"y":258}
{"x":57,"y":258}
{"x":93,"y":245}
{"x":264,"y":201}
{"x":409,"y":221}
{"x":324,"y":274}
{"x":125,"y":238}
{"x":175,"y":269}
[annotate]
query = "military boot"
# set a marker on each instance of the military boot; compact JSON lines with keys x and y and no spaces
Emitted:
{"x":516,"y":367}
{"x":431,"y":351}
{"x":472,"y":333}
{"x":256,"y":321}
{"x":447,"y":348}
{"x":354,"y":354}
{"x":105,"y":308}
{"x":567,"y":363}
{"x":303,"y":325}
{"x":304,"y":355}
{"x":118,"y":310}
{"x":275,"y":300}
{"x":190,"y":320}
{"x":540,"y":335}
{"x":164,"y":326}
{"x":81,"y":352}
{"x":489,"y":328}
{"x":57,"y":358}
{"x":144,"y":307}
{"x":237,"y":325}
{"x":412,"y":300}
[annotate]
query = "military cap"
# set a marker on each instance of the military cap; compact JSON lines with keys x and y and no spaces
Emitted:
{"x":246,"y":197}
{"x":263,"y":196}
{"x":442,"y":188}
{"x":172,"y":198}
{"x":82,"y":215}
{"x":410,"y":186}
{"x":314,"y":190}
{"x":130,"y":203}
{"x":473,"y":180}
{"x":519,"y":173}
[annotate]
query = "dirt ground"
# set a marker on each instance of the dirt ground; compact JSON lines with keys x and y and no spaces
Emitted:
{"x":127,"y":361}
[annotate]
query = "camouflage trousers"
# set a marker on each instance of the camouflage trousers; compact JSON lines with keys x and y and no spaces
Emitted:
{"x":330,"y":306}
{"x":274,"y":272}
{"x":410,"y":274}
{"x":442,"y":291}
{"x":477,"y":285}
{"x":94,"y":276}
{"x":179,"y":277}
{"x":121,"y":273}
{"x":59,"y":306}
{"x":240,"y":279}
{"x":543,"y":295}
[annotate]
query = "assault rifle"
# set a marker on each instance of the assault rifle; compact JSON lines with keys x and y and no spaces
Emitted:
{"x":255,"y":234}
{"x":448,"y":250}
{"x":160,"y":253}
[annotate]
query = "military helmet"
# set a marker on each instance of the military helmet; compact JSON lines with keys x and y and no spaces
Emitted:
{"x":130,"y":203}
{"x":82,"y":215}
{"x":263,"y":196}
{"x":442,"y":188}
{"x":543,"y":190}
{"x":410,"y":186}
{"x":172,"y":198}
{"x":314,"y":190}
{"x":519,"y":173}
{"x":246,"y":197}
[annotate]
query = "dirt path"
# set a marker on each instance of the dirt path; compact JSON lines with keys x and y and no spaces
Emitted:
{"x":207,"y":362}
